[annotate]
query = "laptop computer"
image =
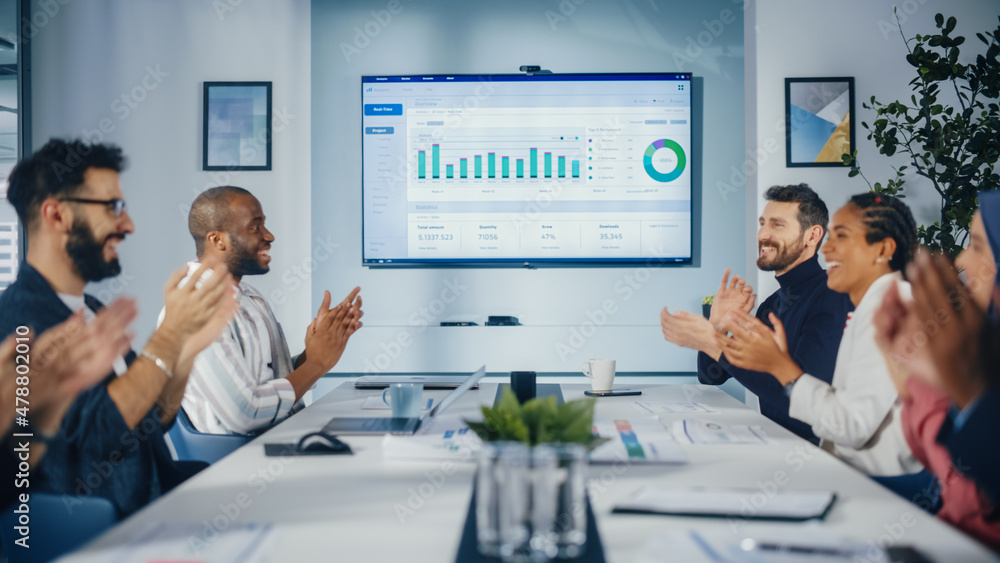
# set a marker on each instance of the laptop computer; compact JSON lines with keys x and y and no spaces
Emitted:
{"x":429,"y":381}
{"x":389,"y":425}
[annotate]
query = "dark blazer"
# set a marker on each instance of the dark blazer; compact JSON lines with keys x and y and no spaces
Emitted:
{"x":94,"y":452}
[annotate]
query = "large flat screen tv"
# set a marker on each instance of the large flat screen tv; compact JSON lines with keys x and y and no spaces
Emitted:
{"x":526,"y":170}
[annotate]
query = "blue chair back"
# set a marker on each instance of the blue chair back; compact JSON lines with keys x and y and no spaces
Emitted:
{"x":55,"y":529}
{"x":190,"y":444}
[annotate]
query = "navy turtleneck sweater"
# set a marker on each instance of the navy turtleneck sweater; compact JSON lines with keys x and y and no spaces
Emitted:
{"x":814,"y":317}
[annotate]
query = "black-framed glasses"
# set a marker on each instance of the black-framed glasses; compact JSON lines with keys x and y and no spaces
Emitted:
{"x":116,"y":205}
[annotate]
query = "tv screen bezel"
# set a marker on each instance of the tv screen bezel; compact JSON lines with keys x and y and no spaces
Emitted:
{"x":435,"y":263}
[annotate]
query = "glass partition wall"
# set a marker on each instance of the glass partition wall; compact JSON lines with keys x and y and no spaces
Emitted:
{"x":12,"y":123}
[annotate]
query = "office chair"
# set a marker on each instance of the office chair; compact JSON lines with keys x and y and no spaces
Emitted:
{"x":190,"y":444}
{"x":55,"y":530}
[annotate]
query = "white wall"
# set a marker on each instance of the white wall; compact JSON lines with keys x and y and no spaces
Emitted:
{"x":477,"y":37}
{"x":796,"y":38}
{"x":87,"y":55}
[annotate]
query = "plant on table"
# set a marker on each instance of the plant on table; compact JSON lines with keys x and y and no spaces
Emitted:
{"x":538,"y":421}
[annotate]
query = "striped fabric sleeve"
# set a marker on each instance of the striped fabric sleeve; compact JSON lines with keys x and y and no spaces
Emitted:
{"x":230,"y":388}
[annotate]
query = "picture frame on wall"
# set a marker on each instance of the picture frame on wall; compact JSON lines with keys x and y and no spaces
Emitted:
{"x":819,"y":121}
{"x":237,"y":126}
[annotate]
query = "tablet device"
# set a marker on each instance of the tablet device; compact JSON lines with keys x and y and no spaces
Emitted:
{"x":612,"y":393}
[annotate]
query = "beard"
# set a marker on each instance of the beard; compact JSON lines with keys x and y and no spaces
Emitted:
{"x":88,"y":254}
{"x":784,"y":256}
{"x":243,"y":261}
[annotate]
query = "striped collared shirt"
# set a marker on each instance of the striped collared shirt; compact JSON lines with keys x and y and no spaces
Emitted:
{"x":238,"y":384}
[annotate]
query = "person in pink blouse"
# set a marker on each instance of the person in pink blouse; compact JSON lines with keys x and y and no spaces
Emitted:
{"x":928,"y":400}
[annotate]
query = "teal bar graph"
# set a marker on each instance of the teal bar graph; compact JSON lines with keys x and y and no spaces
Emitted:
{"x":555,"y":163}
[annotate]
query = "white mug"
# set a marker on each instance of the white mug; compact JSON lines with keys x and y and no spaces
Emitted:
{"x":601,"y":373}
{"x":404,"y":398}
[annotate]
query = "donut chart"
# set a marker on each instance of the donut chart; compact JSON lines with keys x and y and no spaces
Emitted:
{"x":647,"y":160}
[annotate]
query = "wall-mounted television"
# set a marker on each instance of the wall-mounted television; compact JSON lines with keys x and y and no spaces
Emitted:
{"x":526,"y":170}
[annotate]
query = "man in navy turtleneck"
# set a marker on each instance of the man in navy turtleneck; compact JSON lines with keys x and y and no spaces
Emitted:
{"x":792,"y":227}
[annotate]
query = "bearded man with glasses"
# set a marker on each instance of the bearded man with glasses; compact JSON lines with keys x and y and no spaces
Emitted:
{"x":110,"y":443}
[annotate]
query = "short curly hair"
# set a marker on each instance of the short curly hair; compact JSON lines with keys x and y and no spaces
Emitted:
{"x":55,"y":170}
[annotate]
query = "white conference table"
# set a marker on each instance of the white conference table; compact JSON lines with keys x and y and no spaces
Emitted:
{"x":344,"y":508}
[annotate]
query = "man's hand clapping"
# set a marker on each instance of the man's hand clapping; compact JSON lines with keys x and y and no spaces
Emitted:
{"x":68,"y":359}
{"x":733,"y":295}
{"x":190,"y":307}
{"x":327,"y":335}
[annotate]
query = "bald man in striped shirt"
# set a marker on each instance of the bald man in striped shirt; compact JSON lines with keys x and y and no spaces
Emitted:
{"x":245,"y":380}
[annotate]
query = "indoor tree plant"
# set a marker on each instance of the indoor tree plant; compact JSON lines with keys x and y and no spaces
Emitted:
{"x":955,"y":147}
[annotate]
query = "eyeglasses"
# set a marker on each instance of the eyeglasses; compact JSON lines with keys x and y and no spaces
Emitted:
{"x":116,"y":205}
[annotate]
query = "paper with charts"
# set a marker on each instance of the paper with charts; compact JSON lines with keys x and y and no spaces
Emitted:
{"x":636,"y":440}
{"x":673,"y":407}
{"x":695,"y":431}
{"x":443,"y":438}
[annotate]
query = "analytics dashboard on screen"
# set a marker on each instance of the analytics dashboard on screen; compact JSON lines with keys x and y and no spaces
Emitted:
{"x":545,"y":169}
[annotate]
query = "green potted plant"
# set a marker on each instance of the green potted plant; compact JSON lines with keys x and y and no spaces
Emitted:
{"x":955,"y":147}
{"x":706,"y":305}
{"x":551,"y":500}
{"x":538,"y":421}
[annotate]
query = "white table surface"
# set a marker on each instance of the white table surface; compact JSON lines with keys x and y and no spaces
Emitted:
{"x":344,"y":508}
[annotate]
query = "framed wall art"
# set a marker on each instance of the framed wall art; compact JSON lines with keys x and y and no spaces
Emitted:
{"x":819,"y":121}
{"x":237,"y":126}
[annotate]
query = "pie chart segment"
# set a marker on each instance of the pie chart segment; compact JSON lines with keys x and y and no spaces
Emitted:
{"x":664,"y":144}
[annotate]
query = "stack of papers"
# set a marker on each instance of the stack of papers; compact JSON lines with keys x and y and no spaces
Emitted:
{"x":694,"y":431}
{"x":638,"y":440}
{"x":642,"y":440}
{"x":443,"y":439}
{"x":672,"y":407}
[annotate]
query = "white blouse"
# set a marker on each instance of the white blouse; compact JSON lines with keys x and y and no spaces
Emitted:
{"x":857,"y":417}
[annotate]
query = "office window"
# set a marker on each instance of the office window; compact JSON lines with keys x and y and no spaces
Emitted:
{"x":11,"y":125}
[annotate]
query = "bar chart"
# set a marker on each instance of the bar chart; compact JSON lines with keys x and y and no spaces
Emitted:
{"x":496,"y":154}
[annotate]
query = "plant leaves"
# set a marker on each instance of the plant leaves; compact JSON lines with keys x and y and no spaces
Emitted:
{"x":538,"y":421}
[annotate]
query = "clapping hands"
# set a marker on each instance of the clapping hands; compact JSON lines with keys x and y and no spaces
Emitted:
{"x":733,"y":295}
{"x":327,"y":335}
{"x":755,"y":346}
{"x":65,"y":360}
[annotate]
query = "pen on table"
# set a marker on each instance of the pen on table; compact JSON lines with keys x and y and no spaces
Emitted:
{"x":754,"y":545}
